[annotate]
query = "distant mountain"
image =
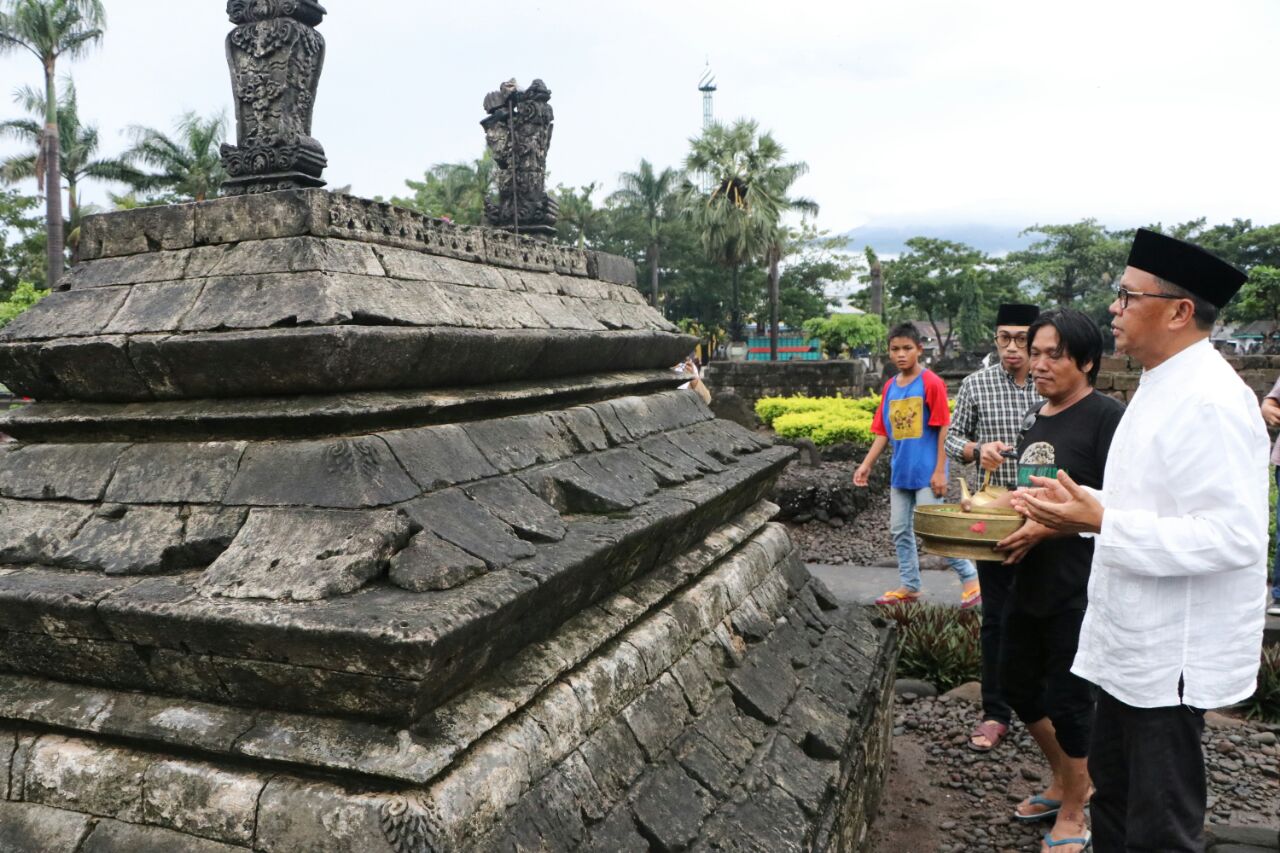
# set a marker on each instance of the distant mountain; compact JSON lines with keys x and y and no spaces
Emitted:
{"x":890,"y":240}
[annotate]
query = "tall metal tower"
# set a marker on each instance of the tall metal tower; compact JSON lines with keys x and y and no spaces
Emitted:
{"x":707,"y":86}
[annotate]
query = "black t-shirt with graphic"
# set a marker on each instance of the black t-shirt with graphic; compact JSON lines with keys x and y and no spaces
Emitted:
{"x":1054,"y":576}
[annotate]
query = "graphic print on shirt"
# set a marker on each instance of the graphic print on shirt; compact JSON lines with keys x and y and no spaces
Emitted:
{"x":1038,"y":460}
{"x":906,"y":417}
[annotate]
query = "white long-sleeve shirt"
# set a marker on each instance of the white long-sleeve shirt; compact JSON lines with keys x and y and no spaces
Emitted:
{"x":1179,"y":566}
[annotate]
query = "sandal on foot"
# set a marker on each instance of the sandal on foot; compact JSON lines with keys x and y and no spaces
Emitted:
{"x":972,"y":598}
{"x":898,"y":596}
{"x":993,"y":730}
{"x":1051,"y":809}
{"x":1085,"y":841}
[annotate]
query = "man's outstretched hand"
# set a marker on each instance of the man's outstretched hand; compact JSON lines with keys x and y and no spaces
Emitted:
{"x":1060,"y":504}
{"x":1016,"y":545}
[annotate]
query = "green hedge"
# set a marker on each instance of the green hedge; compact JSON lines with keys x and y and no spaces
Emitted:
{"x":823,"y":420}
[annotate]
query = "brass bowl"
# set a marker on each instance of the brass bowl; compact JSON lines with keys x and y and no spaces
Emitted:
{"x":947,"y":530}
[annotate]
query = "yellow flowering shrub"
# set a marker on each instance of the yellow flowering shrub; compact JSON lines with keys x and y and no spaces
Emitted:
{"x":822,"y":420}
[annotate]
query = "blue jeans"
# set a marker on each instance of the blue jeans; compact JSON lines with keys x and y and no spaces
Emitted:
{"x":902,"y":503}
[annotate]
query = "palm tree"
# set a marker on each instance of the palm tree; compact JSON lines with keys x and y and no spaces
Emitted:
{"x":190,"y":164}
{"x":579,"y":216}
{"x":456,"y":191}
{"x":77,"y":145}
{"x":776,"y":241}
{"x":51,"y":29}
{"x":739,"y":219}
{"x":650,"y":197}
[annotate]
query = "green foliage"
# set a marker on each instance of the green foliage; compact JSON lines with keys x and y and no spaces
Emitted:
{"x":455,"y":191}
{"x":940,"y":645}
{"x":77,"y":147}
{"x":23,"y":297}
{"x":22,"y":245}
{"x":1264,"y":704}
{"x":581,"y":223}
{"x":739,"y":222}
{"x":188,"y":164}
{"x":934,"y":279}
{"x":1074,"y":265}
{"x":812,"y":260}
{"x":646,"y":207}
{"x":1259,"y":299}
{"x":846,"y":330}
{"x":823,"y":420}
{"x":1271,"y":526}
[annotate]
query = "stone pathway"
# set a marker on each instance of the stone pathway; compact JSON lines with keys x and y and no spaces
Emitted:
{"x":864,"y":584}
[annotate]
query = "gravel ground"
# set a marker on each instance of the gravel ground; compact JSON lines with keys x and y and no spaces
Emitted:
{"x":864,"y":541}
{"x":944,"y":797}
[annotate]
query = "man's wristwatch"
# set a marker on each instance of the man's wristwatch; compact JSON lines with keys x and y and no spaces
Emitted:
{"x":977,"y":453}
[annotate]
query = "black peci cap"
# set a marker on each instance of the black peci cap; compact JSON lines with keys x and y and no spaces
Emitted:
{"x":1014,"y":314}
{"x":1186,"y":265}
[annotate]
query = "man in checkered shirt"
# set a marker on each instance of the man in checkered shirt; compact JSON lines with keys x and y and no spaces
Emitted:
{"x":989,"y":412}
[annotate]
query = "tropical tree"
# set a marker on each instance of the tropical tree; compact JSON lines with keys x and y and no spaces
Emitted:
{"x":580,"y":220}
{"x":854,"y":331}
{"x":189,"y":165}
{"x":455,"y":191}
{"x":22,"y":239}
{"x":77,"y":149}
{"x":776,"y":239}
{"x":738,"y":219}
{"x":1073,"y":264}
{"x":813,"y":260}
{"x":932,"y":280}
{"x":50,"y":30}
{"x":1259,"y":299}
{"x":649,"y":198}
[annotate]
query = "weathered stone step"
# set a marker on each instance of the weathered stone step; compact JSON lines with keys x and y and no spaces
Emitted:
{"x":314,"y":415}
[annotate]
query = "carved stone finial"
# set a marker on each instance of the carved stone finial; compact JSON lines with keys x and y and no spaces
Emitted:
{"x":276,"y":57}
{"x":518,"y":133}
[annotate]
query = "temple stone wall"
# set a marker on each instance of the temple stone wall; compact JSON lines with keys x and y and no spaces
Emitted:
{"x":1119,"y":374}
{"x":752,"y":380}
{"x":336,"y":528}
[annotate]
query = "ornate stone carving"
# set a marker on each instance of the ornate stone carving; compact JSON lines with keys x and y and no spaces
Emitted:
{"x":518,"y":133}
{"x":275,"y":56}
{"x":405,"y":825}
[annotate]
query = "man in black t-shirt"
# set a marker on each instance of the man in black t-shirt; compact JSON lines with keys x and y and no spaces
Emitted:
{"x":1071,"y":431}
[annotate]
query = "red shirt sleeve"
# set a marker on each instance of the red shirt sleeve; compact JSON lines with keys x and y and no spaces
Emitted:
{"x":877,"y":423}
{"x":935,"y":397}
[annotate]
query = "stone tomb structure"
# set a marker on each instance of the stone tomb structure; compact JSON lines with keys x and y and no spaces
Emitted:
{"x":336,"y":528}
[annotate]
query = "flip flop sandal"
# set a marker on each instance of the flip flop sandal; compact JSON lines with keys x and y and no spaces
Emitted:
{"x":1085,"y":842}
{"x":992,"y":730}
{"x":897,"y":596}
{"x":1051,"y":809}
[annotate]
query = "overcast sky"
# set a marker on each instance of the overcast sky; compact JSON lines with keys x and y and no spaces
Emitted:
{"x":907,"y":111}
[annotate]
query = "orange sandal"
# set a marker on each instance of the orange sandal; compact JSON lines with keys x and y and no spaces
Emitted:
{"x":898,"y":596}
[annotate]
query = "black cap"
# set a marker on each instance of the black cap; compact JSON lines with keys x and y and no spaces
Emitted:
{"x":1186,"y":265}
{"x":1014,"y":314}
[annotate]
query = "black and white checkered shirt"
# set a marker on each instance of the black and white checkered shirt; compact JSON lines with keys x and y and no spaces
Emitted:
{"x":990,"y":407}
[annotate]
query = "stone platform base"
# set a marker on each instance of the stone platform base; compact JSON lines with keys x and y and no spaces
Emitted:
{"x":722,"y":703}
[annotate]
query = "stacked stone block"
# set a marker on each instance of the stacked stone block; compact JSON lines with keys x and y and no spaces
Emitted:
{"x":338,"y":528}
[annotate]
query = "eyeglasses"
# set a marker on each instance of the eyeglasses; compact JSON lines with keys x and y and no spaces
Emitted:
{"x":1003,"y":339}
{"x":1123,"y":296}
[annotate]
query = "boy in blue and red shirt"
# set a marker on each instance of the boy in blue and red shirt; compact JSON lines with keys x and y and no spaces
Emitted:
{"x":915,"y":402}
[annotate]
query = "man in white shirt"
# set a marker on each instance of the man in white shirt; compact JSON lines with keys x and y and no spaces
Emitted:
{"x":1173,"y":625}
